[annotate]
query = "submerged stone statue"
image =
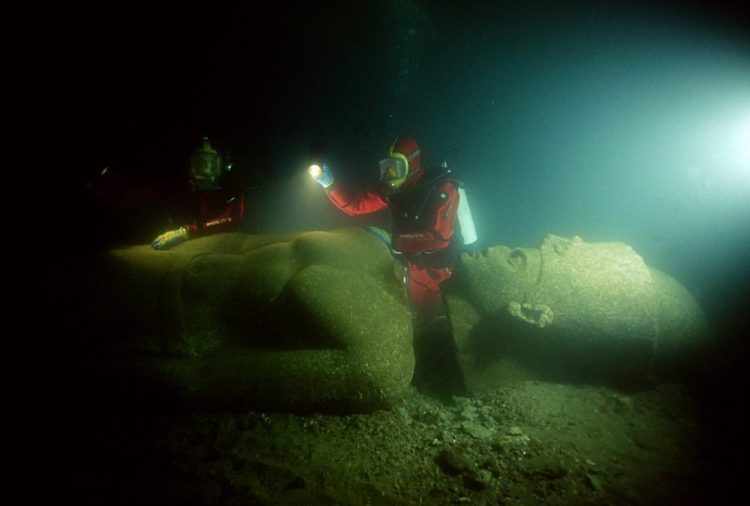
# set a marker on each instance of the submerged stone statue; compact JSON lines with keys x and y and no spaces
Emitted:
{"x":299,"y":321}
{"x":318,"y":321}
{"x":572,"y":310}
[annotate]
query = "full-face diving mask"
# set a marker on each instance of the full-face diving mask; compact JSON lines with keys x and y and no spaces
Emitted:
{"x":205,"y":165}
{"x":394,"y":171}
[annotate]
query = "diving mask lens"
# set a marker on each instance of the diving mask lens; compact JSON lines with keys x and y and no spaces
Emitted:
{"x":205,"y":166}
{"x":392,"y":168}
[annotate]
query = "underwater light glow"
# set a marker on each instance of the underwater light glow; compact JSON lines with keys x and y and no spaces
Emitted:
{"x":733,"y":152}
{"x":314,"y":170}
{"x":741,"y":144}
{"x":727,"y":148}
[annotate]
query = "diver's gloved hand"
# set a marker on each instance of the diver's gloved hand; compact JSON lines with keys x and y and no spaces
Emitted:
{"x":321,"y":174}
{"x":171,"y":238}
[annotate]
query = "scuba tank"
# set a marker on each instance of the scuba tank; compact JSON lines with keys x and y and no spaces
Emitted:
{"x":465,"y":221}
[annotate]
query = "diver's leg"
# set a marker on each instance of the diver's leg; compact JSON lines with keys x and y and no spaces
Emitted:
{"x":436,"y":370}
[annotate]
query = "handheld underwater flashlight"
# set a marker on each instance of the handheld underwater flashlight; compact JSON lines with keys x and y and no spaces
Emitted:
{"x":318,"y":169}
{"x":314,"y":170}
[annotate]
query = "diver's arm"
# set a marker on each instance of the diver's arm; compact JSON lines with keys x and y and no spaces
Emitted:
{"x":356,"y":204}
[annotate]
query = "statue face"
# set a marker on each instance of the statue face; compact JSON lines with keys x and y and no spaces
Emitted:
{"x":498,"y":275}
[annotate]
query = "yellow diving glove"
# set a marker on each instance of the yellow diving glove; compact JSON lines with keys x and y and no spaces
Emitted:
{"x":170,"y":238}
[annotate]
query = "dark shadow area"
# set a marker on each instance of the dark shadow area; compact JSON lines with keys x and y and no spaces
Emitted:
{"x":566,"y":359}
{"x":436,"y":369}
{"x":721,"y":385}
